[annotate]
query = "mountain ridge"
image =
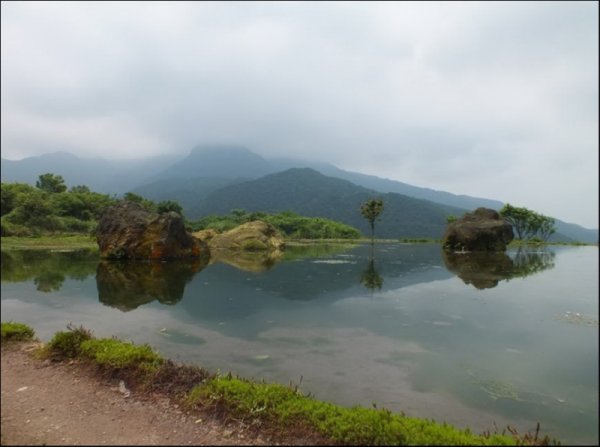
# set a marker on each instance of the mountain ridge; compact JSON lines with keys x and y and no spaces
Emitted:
{"x":171,"y":177}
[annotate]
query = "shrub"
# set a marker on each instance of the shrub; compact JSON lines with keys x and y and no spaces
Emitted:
{"x":113,"y":353}
{"x":12,"y":331}
{"x":67,"y":344}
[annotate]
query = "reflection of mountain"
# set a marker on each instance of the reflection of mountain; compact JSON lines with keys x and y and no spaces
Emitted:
{"x":222,"y":294}
{"x":48,"y":269}
{"x":127,"y":285}
{"x":485,"y":269}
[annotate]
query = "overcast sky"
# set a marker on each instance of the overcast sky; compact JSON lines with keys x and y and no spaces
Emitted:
{"x":495,"y":100}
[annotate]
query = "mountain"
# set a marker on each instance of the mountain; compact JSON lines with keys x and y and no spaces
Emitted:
{"x":310,"y":193}
{"x":188,"y":192}
{"x":387,"y":185}
{"x":207,"y":168}
{"x":218,"y":161}
{"x":569,"y":232}
{"x":101,"y":175}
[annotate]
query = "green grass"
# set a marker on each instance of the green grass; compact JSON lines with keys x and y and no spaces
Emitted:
{"x":12,"y":331}
{"x":67,"y":344}
{"x":284,"y":406}
{"x":116,"y":354}
{"x":73,"y":242}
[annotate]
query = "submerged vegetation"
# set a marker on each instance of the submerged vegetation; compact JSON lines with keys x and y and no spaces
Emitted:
{"x":272,"y":408}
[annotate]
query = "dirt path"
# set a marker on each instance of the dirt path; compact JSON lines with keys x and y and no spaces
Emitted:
{"x":63,"y":404}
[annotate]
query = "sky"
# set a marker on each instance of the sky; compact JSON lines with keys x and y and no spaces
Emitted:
{"x":489,"y":99}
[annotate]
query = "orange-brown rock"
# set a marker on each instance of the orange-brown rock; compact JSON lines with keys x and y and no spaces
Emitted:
{"x":481,"y":230}
{"x":127,"y":231}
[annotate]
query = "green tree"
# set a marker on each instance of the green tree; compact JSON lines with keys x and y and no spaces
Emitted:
{"x":527,"y":223}
{"x":371,"y":210}
{"x":80,"y":189}
{"x":8,"y":196}
{"x":148,"y":205}
{"x":51,"y":183}
{"x":169,"y":205}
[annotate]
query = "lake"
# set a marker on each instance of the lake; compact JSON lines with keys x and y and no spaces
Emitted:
{"x":473,"y":340}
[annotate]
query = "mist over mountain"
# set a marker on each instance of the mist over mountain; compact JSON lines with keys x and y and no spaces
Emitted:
{"x":210,"y":179}
{"x":218,"y":161}
{"x":106,"y":176}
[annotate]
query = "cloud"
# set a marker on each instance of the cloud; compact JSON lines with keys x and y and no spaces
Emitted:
{"x":450,"y":95}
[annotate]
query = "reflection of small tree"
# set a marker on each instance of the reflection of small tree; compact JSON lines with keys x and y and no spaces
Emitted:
{"x":49,"y":281}
{"x":527,"y":263}
{"x":370,"y":278}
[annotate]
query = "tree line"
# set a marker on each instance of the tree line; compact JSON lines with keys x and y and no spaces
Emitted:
{"x":52,"y":208}
{"x":527,"y":224}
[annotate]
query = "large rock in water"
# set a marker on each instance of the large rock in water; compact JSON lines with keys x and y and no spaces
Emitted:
{"x":127,"y":231}
{"x":251,"y":236}
{"x":481,"y":230}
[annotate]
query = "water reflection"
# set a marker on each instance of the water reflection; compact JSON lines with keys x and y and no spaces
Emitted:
{"x":370,"y":278}
{"x":527,"y":262}
{"x":484,"y":270}
{"x":254,"y":261}
{"x":48,"y":269}
{"x":128,"y":285}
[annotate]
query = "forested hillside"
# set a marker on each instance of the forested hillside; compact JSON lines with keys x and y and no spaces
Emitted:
{"x":309,"y":193}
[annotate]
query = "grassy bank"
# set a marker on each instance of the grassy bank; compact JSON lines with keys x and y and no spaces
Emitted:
{"x":72,"y":242}
{"x":270,"y":408}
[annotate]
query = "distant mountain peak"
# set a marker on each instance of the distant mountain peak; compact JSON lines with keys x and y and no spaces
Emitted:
{"x":222,"y":149}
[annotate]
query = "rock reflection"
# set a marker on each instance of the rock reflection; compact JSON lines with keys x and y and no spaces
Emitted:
{"x":483,"y":270}
{"x":127,"y":285}
{"x":249,"y":261}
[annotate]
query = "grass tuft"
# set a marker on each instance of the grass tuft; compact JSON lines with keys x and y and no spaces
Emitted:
{"x":117,"y":354}
{"x":12,"y":331}
{"x":67,"y":344}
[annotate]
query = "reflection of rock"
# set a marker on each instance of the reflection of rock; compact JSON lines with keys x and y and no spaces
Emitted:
{"x":127,"y":231}
{"x":251,"y":236}
{"x":481,"y":230}
{"x":250,"y":261}
{"x":485,"y":269}
{"x":481,"y":269}
{"x":128,"y":284}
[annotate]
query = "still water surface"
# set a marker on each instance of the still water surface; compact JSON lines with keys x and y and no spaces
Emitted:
{"x":470,"y":340}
